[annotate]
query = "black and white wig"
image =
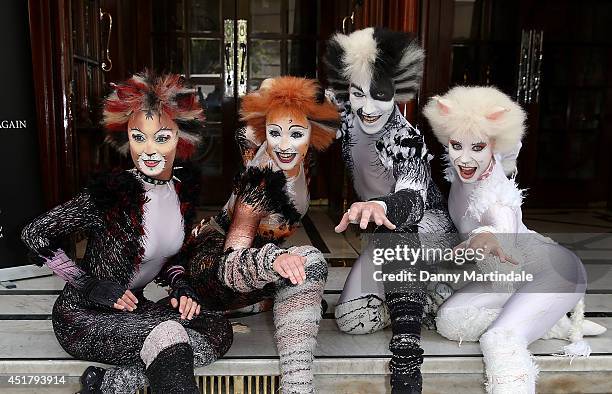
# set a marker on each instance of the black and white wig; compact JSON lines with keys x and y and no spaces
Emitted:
{"x":376,"y":57}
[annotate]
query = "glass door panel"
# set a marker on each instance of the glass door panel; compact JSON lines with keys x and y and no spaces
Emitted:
{"x":188,"y":38}
{"x":205,"y":57}
{"x":226,"y":48}
{"x":265,"y":59}
{"x":282,"y":38}
{"x":205,"y":16}
{"x":266,"y":16}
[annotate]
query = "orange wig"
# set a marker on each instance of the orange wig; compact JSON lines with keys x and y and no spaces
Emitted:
{"x":296,"y":97}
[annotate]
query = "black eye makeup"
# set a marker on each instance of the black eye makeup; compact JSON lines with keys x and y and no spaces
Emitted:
{"x":455,"y":145}
{"x":382,"y":89}
{"x":274,"y":132}
{"x":138,"y":135}
{"x":477,"y":147}
{"x":357,"y":91}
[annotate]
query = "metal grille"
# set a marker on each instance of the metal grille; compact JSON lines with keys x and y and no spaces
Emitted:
{"x":234,"y":385}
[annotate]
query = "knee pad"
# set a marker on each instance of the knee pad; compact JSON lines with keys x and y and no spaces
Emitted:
{"x":162,"y":336}
{"x":363,"y":315}
{"x":465,"y":323}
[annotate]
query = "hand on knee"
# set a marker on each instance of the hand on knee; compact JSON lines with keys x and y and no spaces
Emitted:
{"x":315,"y":265}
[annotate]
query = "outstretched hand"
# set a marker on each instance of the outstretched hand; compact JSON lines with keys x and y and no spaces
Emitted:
{"x":363,"y":213}
{"x":489,"y":243}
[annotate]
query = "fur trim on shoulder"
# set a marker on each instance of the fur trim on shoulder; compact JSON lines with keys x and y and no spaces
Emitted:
{"x":401,"y":142}
{"x":266,"y":190}
{"x":116,"y":189}
{"x":449,"y":171}
{"x":120,"y":198}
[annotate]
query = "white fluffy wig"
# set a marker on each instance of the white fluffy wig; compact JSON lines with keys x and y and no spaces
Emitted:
{"x":484,"y":112}
{"x":375,"y":53}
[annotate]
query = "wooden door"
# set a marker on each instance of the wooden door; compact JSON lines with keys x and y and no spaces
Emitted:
{"x":67,"y":61}
{"x":225,"y":47}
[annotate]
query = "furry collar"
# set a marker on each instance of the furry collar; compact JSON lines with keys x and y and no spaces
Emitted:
{"x":495,"y":189}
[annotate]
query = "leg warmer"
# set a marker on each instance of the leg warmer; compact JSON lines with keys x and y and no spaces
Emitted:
{"x":124,"y":379}
{"x":363,"y":315}
{"x":407,"y":355}
{"x":406,"y":302}
{"x":168,"y":359}
{"x":128,"y":379}
{"x":509,"y":366}
{"x":297,"y":313}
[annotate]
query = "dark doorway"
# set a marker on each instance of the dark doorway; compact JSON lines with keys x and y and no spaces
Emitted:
{"x":224,"y":47}
{"x":555,"y":58}
{"x":227,"y":48}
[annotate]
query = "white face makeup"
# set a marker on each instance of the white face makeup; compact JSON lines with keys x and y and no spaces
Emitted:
{"x":288,"y":140}
{"x":470,"y":156}
{"x":153,"y":140}
{"x":372,"y":112}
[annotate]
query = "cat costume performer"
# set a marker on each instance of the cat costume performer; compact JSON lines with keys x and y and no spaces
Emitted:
{"x":368,"y":71}
{"x":482,"y":129}
{"x":234,"y":260}
{"x":134,"y":221}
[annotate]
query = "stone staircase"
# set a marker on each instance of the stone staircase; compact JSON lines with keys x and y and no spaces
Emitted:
{"x":344,"y":364}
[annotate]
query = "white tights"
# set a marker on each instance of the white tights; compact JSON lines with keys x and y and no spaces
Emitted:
{"x":505,"y":323}
{"x":477,"y":307}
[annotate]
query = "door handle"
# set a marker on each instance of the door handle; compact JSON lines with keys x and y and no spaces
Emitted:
{"x":228,"y":64}
{"x":228,"y":29}
{"x":530,"y":67}
{"x":244,"y":57}
{"x":243,"y":52}
{"x":107,"y":63}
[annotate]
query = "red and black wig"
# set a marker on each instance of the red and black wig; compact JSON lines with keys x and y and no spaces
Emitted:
{"x":299,"y":97}
{"x":161,"y":94}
